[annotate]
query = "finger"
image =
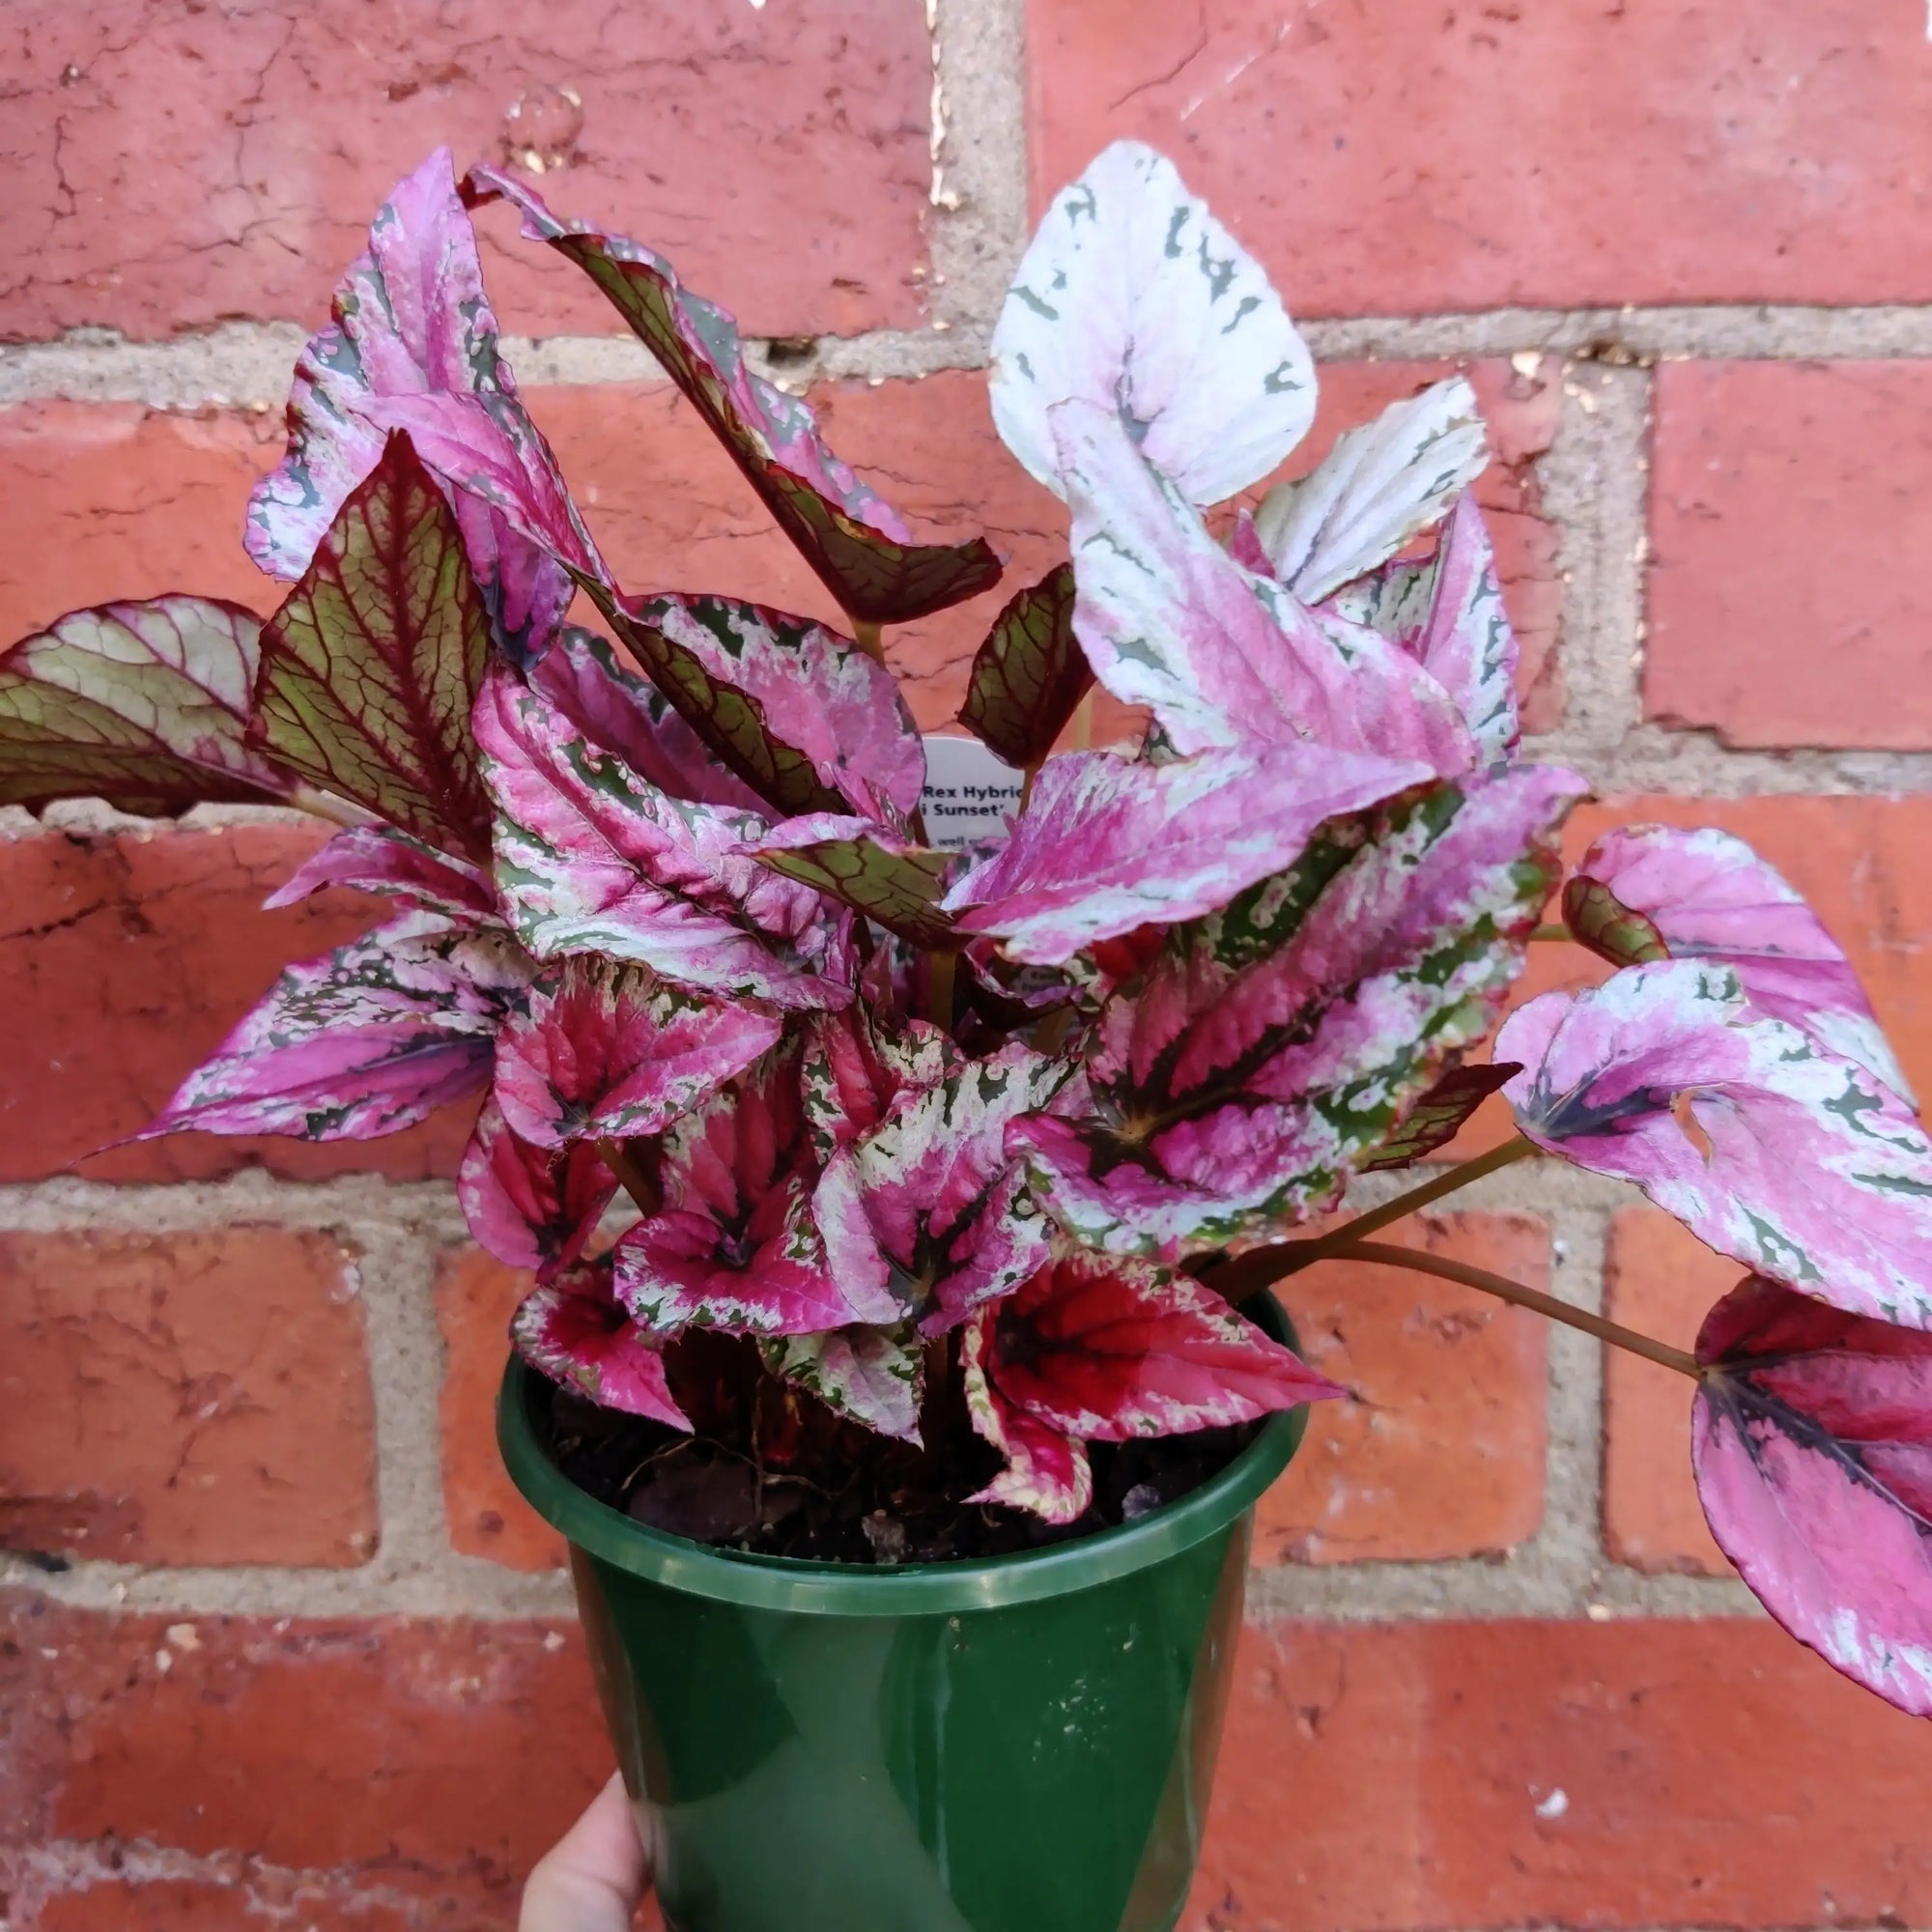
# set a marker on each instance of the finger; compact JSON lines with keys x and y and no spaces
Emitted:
{"x":595,"y":1875}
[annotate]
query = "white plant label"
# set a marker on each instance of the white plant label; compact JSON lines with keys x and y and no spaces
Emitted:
{"x":969,"y":793}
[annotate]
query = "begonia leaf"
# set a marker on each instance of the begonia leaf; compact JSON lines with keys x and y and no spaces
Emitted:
{"x":1440,"y":1116}
{"x":1381,"y":485}
{"x":1653,"y":891}
{"x":1047,"y":1472}
{"x":1766,"y":1145}
{"x":593,"y":857}
{"x":1274,"y":1046}
{"x":627,"y":714}
{"x":856,"y":542}
{"x":531,"y":1206}
{"x":364,"y":1040}
{"x":1221,"y":655}
{"x":611,"y":1052}
{"x":928,"y":1206}
{"x":869,"y":867}
{"x":1133,"y":298}
{"x":856,"y":1062}
{"x":875,"y":1375}
{"x":801,"y":715}
{"x":1028,"y":675}
{"x":413,"y":344}
{"x":573,"y":1330}
{"x":145,"y":705}
{"x":378,"y":858}
{"x":1811,"y":1438}
{"x":1107,"y":846}
{"x":734,"y":1245}
{"x":370,"y":668}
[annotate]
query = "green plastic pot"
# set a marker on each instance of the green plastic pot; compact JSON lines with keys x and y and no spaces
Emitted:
{"x":1023,"y":1744}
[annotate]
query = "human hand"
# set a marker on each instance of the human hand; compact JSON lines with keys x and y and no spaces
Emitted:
{"x":595,"y":1875}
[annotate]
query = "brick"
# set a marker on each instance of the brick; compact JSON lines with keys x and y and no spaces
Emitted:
{"x":420,"y":1759}
{"x":1392,"y":1778}
{"x":169,"y":170}
{"x":1783,"y":497}
{"x":110,"y":499}
{"x":1389,"y":161}
{"x":1438,"y":1450}
{"x":475,"y":1296}
{"x":124,"y":959}
{"x":190,"y":1398}
{"x":1662,"y":1280}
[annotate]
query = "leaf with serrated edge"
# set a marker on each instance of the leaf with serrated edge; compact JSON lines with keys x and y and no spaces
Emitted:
{"x":1440,"y":1116}
{"x":927,"y":1206}
{"x":574,"y":1332}
{"x":611,"y":1052}
{"x":1811,"y":1439}
{"x":893,"y":881}
{"x":1107,"y":846}
{"x":1380,"y":485}
{"x":1653,"y":891}
{"x":145,"y":705}
{"x":1221,"y":655}
{"x":1132,"y":297}
{"x":370,"y":668}
{"x":1047,"y":1472}
{"x":734,"y":1245}
{"x":413,"y":344}
{"x":592,"y":857}
{"x":1028,"y":675}
{"x":1274,"y":1047}
{"x":531,"y":1206}
{"x":856,"y":542}
{"x":378,"y":858}
{"x":875,"y":1375}
{"x":364,"y":1040}
{"x":1766,"y":1145}
{"x":856,"y":1062}
{"x":801,"y":715}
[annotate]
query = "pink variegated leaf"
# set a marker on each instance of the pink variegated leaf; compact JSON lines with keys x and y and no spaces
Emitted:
{"x":1811,"y":1439}
{"x":1440,"y":1116}
{"x":1653,"y":891}
{"x":875,"y":1375}
{"x":593,"y":857}
{"x":145,"y":705}
{"x":629,"y":717}
{"x":573,"y":1330}
{"x":1244,"y":545}
{"x":1221,"y":655}
{"x":413,"y":344}
{"x":1131,"y":297}
{"x":611,"y":1052}
{"x":856,"y":542}
{"x":531,"y":1206}
{"x":1107,"y":1349}
{"x":856,"y":1062}
{"x":1028,"y":676}
{"x":734,"y":1245}
{"x":805,"y":717}
{"x":370,"y":668}
{"x":927,"y":1206}
{"x":1107,"y":846}
{"x":364,"y":1040}
{"x":1381,"y":485}
{"x":1274,"y":1046}
{"x":895,"y":882}
{"x":378,"y":858}
{"x":1766,"y":1145}
{"x":1047,"y":1472}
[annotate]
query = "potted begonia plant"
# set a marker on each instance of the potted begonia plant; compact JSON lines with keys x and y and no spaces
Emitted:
{"x":900,"y":1361}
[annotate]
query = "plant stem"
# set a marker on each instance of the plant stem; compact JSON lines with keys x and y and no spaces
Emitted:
{"x":1557,"y":931}
{"x":639,"y":1184}
{"x":325,"y":805}
{"x":866,"y":635}
{"x":1388,"y":1255}
{"x":1027,"y":778}
{"x":1245,"y":1274}
{"x":939,"y":991}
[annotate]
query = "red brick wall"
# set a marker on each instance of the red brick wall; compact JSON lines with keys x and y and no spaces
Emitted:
{"x":309,"y":1661}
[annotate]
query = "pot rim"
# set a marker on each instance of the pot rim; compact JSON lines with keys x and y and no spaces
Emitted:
{"x":907,"y":1589}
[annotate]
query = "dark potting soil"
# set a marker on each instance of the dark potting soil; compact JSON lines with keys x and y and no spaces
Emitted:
{"x":776,"y":1473}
